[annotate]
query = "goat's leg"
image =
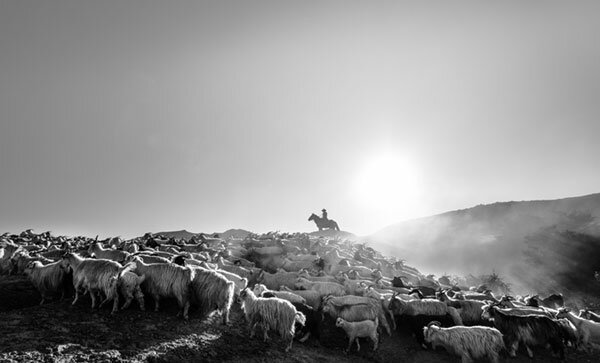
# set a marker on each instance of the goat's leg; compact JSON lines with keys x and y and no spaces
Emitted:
{"x":76,"y":296}
{"x":128,"y":299}
{"x":115,"y":304}
{"x":139,"y":296}
{"x":350,"y":339}
{"x":529,"y":351}
{"x":156,"y":302}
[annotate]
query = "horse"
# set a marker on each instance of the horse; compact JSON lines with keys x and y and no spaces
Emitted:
{"x":323,"y":224}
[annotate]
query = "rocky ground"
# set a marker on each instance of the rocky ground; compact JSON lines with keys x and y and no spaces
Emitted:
{"x":58,"y":332}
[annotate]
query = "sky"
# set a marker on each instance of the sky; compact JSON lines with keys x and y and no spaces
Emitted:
{"x":124,"y":117}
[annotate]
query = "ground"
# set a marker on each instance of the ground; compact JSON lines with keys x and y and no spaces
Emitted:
{"x":59,"y":332}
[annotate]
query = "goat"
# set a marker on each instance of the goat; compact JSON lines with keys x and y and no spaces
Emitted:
{"x":313,"y":298}
{"x":589,"y":315}
{"x":554,"y":301}
{"x":313,"y":318}
{"x":424,"y":307}
{"x":167,"y":280}
{"x":47,"y":279}
{"x":212,"y":291}
{"x":469,"y":310}
{"x":530,"y":330}
{"x":94,"y":275}
{"x":98,"y":251}
{"x":274,"y":281}
{"x":271,"y":313}
{"x":323,"y":288}
{"x":128,"y":284}
{"x":359,"y":329}
{"x":470,"y":343}
{"x":355,"y":308}
{"x":286,"y":295}
{"x":588,"y":331}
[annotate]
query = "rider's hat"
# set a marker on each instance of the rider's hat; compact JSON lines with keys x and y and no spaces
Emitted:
{"x":323,"y":210}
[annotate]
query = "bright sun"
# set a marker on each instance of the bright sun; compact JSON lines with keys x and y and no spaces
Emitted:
{"x":387,"y":182}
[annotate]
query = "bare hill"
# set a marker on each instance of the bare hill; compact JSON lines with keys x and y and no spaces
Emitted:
{"x":183,"y":234}
{"x":539,"y":245}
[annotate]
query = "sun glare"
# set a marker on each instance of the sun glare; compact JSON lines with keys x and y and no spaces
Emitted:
{"x":388,"y":183}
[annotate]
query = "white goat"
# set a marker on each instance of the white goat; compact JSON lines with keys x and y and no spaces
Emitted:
{"x":47,"y":279}
{"x":588,"y":331}
{"x":470,"y":343}
{"x":98,"y":251}
{"x":167,"y":280}
{"x":271,"y":313}
{"x":359,"y":329}
{"x":286,"y":295}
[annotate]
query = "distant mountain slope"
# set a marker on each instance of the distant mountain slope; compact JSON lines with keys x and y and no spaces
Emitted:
{"x":178,"y":234}
{"x":538,"y":245}
{"x":239,"y":233}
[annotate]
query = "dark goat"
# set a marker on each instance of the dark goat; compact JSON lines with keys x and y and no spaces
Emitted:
{"x":554,"y":301}
{"x":531,"y":330}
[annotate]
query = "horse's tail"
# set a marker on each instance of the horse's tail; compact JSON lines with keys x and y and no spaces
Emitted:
{"x":336,"y":227}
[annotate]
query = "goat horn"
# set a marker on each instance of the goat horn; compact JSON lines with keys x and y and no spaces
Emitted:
{"x":432,"y":323}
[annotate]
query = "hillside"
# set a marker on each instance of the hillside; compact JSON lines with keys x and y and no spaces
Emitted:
{"x":334,"y":234}
{"x":538,"y":245}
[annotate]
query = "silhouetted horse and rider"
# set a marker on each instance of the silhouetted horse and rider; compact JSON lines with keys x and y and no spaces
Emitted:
{"x":323,"y":222}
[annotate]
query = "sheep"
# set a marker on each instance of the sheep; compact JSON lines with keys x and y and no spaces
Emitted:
{"x":529,"y":330}
{"x":313,"y":298}
{"x":212,"y":291}
{"x":47,"y":279}
{"x":323,"y":288}
{"x":167,"y":280}
{"x":286,"y":295}
{"x":355,"y":308}
{"x":271,"y":313}
{"x":98,"y":251}
{"x":589,"y":315}
{"x":129,"y":285}
{"x":470,"y":343}
{"x":359,"y":329}
{"x":588,"y":331}
{"x":94,"y":275}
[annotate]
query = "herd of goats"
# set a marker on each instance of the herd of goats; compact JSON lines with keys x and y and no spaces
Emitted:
{"x":293,"y":284}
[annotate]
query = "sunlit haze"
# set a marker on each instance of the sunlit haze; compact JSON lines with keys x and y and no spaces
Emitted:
{"x":124,"y":117}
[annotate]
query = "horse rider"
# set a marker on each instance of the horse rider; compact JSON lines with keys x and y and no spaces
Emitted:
{"x":324,"y":214}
